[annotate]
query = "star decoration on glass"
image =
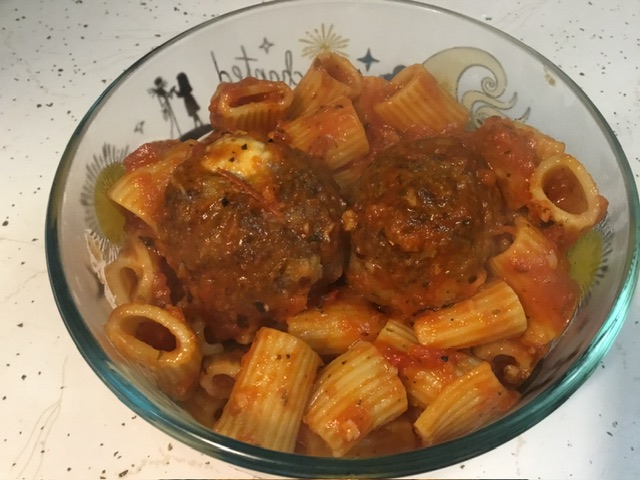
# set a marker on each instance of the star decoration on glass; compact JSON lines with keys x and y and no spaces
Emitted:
{"x":139,"y":127}
{"x":368,"y":59}
{"x":266,"y":45}
{"x":323,"y":40}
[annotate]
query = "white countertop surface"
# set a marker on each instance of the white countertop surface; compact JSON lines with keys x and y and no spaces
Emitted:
{"x":58,"y":421}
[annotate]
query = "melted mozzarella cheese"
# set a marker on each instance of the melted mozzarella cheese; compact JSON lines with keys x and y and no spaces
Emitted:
{"x":243,"y":156}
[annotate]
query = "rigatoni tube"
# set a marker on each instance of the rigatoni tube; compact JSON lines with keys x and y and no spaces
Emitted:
{"x":251,"y":105}
{"x":537,"y":271}
{"x":420,"y":103}
{"x":270,"y":392}
{"x":354,"y":394}
{"x":331,"y":328}
{"x":493,"y":313}
{"x":329,"y":77}
{"x":473,"y":400}
{"x":159,"y":340}
{"x":131,"y":277}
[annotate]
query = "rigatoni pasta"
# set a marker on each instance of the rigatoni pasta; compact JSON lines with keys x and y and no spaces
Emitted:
{"x":133,"y":276}
{"x":270,"y":393}
{"x":512,"y":360}
{"x":333,"y":132}
{"x":563,"y":192}
{"x":251,"y":105}
{"x":421,"y":104}
{"x":536,"y":270}
{"x":219,"y":372}
{"x":493,"y":313}
{"x":473,"y":400}
{"x":424,"y":371}
{"x":141,"y":189}
{"x":337,"y":324}
{"x":398,"y":334}
{"x":329,"y":77}
{"x":160,"y":340}
{"x":353,"y":395}
{"x":242,"y":288}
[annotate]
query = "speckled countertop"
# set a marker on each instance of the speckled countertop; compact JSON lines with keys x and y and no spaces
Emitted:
{"x":57,"y":420}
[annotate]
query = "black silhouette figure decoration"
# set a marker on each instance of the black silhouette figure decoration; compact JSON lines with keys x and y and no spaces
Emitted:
{"x":183,"y":90}
{"x":163,"y":95}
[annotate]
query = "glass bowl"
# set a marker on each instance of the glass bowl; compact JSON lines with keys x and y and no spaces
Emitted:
{"x":487,"y":70}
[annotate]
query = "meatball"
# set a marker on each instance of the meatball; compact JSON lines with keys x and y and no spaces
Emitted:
{"x":251,"y":229}
{"x":421,"y":225}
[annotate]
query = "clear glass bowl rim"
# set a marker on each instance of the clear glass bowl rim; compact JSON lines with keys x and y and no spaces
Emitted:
{"x":409,"y":463}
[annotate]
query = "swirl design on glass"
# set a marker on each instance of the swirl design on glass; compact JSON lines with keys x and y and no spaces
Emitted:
{"x":450,"y":67}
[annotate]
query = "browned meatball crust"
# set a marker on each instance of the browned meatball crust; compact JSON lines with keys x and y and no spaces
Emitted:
{"x":421,"y":225}
{"x":251,"y":228}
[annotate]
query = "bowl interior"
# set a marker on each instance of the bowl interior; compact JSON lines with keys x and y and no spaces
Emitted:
{"x":488,"y":71}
